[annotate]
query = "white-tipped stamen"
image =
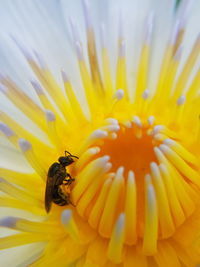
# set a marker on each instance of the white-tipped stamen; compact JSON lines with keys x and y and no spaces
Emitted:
{"x":64,"y":76}
{"x":151,"y":120}
{"x":22,"y":48}
{"x":157,"y":129}
{"x":86,"y":9}
{"x":98,"y":134}
{"x":122,"y":49}
{"x":24,"y":145}
{"x":102,"y":35}
{"x":9,"y":222}
{"x":40,"y":60}
{"x":37,"y":87}
{"x":119,"y":94}
{"x":111,"y":121}
{"x":66,"y":216}
{"x":178,"y":53}
{"x":127,"y":124}
{"x":174,"y":33}
{"x":145,"y":94}
{"x":79,"y":51}
{"x":181,"y":100}
{"x":6,"y":130}
{"x":112,"y":136}
{"x":159,"y":137}
{"x":74,"y":30}
{"x":121,"y":27}
{"x":149,"y":28}
{"x":50,"y":116}
{"x":111,"y":128}
{"x":137,"y":121}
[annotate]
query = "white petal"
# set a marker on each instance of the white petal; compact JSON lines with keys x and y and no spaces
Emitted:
{"x":21,"y":256}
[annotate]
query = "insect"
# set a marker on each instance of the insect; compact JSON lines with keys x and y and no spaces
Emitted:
{"x":57,"y":178}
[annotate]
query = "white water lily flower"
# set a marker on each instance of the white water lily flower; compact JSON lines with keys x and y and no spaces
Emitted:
{"x":115,"y":83}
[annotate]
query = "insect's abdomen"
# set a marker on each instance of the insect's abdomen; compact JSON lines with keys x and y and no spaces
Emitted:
{"x":59,"y":197}
{"x":60,"y":201}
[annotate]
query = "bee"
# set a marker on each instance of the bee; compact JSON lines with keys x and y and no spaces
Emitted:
{"x":57,"y":179}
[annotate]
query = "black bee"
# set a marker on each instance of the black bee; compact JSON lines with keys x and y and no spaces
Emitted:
{"x":57,"y":177}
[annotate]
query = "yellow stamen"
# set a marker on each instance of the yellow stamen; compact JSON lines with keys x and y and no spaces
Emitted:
{"x":167,"y":255}
{"x":96,"y":250}
{"x":116,"y":242}
{"x":133,"y":258}
{"x":187,"y":69}
{"x":107,"y":75}
{"x":24,"y":102}
{"x":22,"y":132}
{"x":98,"y":207}
{"x":181,"y":165}
{"x":90,"y":192}
{"x":165,"y":218}
{"x":22,"y":205}
{"x":87,"y":175}
{"x":174,"y":203}
{"x":130,"y":210}
{"x":32,"y":159}
{"x":70,"y":225}
{"x":194,"y":87}
{"x":151,"y":219}
{"x":75,"y":105}
{"x":121,"y":68}
{"x":181,"y":151}
{"x":86,"y":157}
{"x":21,"y":239}
{"x":105,"y":226}
{"x":142,"y":72}
{"x":18,"y":193}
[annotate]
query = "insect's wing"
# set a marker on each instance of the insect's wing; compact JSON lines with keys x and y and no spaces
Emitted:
{"x":49,"y":193}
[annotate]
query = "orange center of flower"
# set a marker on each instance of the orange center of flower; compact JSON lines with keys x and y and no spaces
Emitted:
{"x":132,"y":152}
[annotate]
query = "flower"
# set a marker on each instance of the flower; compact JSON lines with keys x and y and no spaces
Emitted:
{"x":127,"y":107}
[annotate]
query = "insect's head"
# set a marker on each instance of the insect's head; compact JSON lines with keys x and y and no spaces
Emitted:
{"x":67,"y":159}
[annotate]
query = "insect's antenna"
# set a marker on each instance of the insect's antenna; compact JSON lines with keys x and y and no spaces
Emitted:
{"x":68,"y":153}
{"x":74,"y":156}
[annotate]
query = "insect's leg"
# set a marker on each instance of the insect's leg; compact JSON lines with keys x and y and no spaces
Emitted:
{"x":61,"y":194}
{"x":69,"y":180}
{"x":71,"y":203}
